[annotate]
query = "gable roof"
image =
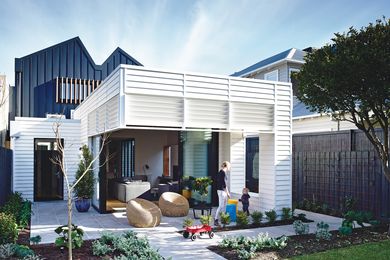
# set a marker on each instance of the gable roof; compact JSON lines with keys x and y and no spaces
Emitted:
{"x":293,"y":54}
{"x":300,"y":109}
{"x":78,"y":41}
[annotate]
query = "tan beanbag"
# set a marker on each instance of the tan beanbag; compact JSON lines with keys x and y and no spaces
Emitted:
{"x":173,"y":204}
{"x":142,"y":213}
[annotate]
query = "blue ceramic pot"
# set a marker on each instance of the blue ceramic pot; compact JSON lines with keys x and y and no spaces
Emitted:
{"x":82,"y":205}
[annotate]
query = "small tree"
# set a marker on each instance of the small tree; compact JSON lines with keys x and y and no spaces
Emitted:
{"x":61,"y":162}
{"x":84,"y":189}
{"x":350,"y":78}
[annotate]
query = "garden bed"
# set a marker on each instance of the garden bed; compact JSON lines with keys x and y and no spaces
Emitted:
{"x":308,"y":244}
{"x":266,"y":224}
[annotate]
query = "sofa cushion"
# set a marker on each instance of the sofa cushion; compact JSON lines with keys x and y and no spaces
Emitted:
{"x":131,"y":190}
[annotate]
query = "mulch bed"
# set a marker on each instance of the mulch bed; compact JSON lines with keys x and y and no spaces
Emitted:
{"x":50,"y":251}
{"x":276,"y":223}
{"x":308,"y":244}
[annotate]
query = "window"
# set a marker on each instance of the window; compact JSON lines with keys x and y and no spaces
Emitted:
{"x":273,"y":75}
{"x":252,"y":164}
{"x":127,"y":158}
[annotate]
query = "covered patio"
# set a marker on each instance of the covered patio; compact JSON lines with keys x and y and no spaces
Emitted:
{"x":196,"y":122}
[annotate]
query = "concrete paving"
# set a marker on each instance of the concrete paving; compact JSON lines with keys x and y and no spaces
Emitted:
{"x":49,"y":215}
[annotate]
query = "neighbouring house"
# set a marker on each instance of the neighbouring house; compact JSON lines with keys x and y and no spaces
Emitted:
{"x":279,"y":68}
{"x":161,"y":123}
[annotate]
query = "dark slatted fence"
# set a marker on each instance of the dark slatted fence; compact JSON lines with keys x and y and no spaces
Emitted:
{"x":5,"y":174}
{"x":327,"y":167}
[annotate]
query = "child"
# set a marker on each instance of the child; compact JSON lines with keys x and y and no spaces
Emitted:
{"x":245,"y":200}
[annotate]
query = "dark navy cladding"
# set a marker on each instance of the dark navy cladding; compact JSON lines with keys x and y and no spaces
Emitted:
{"x":34,"y":74}
{"x":44,"y":102}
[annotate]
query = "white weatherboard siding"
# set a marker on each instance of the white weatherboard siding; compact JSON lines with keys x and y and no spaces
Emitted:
{"x":237,"y":160}
{"x":266,"y":172}
{"x":100,"y":112}
{"x":319,"y":123}
{"x":283,"y":148}
{"x":25,"y":130}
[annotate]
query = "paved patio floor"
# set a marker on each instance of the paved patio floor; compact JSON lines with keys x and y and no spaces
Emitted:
{"x":49,"y":215}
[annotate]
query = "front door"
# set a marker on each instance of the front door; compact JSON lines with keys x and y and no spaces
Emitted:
{"x":48,"y":179}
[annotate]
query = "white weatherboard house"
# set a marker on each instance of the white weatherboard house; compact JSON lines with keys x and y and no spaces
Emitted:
{"x":170,"y":124}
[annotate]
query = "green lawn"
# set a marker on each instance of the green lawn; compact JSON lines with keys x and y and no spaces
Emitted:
{"x":377,"y":250}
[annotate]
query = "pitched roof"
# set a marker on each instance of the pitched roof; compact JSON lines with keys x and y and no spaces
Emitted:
{"x":292,"y":54}
{"x":300,"y":109}
{"x":81,"y":44}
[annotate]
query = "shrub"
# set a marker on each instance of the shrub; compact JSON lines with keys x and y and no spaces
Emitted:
{"x":325,"y":208}
{"x":225,"y":218}
{"x":85,"y":187}
{"x":242,"y":219}
{"x":7,"y":250}
{"x":100,"y":248}
{"x":345,"y":230}
{"x":357,"y":216}
{"x":24,"y":214}
{"x":246,"y":247}
{"x":286,"y":213}
{"x":205,"y":219}
{"x":271,"y":216}
{"x":188,"y":222}
{"x":19,"y":208}
{"x":323,"y":231}
{"x":256,"y":217}
{"x":36,"y":240}
{"x":22,"y":251}
{"x":349,"y":204}
{"x":300,"y":228}
{"x":302,"y":217}
{"x":8,"y":228}
{"x":125,"y":246}
{"x":13,"y":205}
{"x":76,"y":236}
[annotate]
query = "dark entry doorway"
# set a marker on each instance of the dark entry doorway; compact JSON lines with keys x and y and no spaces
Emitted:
{"x":48,"y":179}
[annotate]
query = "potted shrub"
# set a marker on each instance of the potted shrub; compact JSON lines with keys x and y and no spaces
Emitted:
{"x":85,"y":186}
{"x":187,"y":186}
{"x":201,"y":186}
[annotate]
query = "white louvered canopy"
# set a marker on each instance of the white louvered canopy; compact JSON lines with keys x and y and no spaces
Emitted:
{"x":138,"y":97}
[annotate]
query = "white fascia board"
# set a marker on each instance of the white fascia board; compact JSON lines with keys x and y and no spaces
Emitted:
{"x":310,"y":116}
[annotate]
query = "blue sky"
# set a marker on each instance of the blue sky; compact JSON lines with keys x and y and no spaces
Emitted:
{"x":211,"y":36}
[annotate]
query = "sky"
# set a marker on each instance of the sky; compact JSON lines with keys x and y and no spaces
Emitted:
{"x":212,"y":36}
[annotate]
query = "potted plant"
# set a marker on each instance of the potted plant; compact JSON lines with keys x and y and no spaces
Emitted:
{"x":85,"y":186}
{"x":201,"y":186}
{"x":187,"y":186}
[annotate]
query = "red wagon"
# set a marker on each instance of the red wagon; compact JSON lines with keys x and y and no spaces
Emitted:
{"x":195,"y":231}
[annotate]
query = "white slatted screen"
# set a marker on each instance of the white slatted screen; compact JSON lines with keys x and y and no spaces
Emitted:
{"x":148,"y":110}
{"x":207,"y":113}
{"x":251,"y":116}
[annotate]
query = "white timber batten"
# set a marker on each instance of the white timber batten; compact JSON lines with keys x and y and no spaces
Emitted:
{"x":100,"y":112}
{"x":23,"y":131}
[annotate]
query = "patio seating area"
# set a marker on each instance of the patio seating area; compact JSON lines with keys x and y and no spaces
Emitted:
{"x":49,"y":215}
